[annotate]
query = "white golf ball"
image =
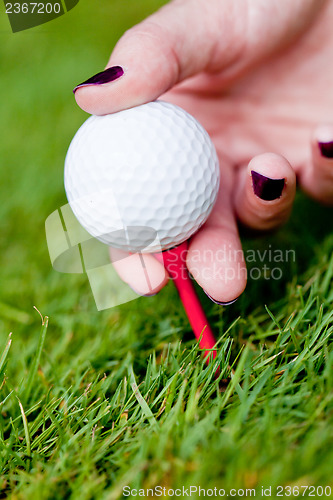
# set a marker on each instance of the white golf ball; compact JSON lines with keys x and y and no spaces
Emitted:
{"x":144,"y":179}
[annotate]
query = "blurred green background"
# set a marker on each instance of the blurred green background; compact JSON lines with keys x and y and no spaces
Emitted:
{"x":39,"y":116}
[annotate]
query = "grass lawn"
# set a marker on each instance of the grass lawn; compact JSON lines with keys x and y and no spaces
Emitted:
{"x":93,"y":401}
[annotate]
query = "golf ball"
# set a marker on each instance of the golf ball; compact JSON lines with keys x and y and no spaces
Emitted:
{"x":144,"y":179}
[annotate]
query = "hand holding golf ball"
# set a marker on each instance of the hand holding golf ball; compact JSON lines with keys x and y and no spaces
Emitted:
{"x":255,"y":75}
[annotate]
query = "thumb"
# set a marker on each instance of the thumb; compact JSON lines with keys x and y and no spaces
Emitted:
{"x":186,"y":37}
{"x":174,"y":43}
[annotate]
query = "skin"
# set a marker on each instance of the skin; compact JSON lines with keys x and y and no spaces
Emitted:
{"x":258,"y":75}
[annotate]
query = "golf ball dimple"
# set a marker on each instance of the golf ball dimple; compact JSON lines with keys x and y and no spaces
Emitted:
{"x":144,"y":179}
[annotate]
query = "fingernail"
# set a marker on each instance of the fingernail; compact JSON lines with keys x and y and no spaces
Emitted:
{"x":265,"y":188}
{"x":221,"y":303}
{"x":106,"y":76}
{"x":326,"y":149}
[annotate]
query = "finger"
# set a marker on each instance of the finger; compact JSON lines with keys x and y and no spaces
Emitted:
{"x":265,"y":192}
{"x":215,"y":257}
{"x":142,"y":272}
{"x":155,"y":55}
{"x":161,"y":51}
{"x":316,"y":177}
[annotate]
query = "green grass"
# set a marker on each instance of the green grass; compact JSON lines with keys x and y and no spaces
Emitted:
{"x":93,"y":401}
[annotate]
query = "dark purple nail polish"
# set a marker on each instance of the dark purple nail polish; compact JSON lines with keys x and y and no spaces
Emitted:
{"x":106,"y":76}
{"x":221,"y":303}
{"x":326,"y":149}
{"x":265,"y":188}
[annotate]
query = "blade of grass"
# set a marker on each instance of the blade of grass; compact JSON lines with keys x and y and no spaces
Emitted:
{"x":235,"y":378}
{"x":5,"y":352}
{"x":35,"y":364}
{"x":144,"y":407}
{"x":26,"y":431}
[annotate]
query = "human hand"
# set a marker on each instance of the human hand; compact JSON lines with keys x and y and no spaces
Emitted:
{"x":257,"y":76}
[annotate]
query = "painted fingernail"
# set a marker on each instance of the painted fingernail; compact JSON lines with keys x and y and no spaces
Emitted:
{"x":106,"y":76}
{"x":326,"y":149}
{"x":220,"y":303}
{"x":266,"y":188}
